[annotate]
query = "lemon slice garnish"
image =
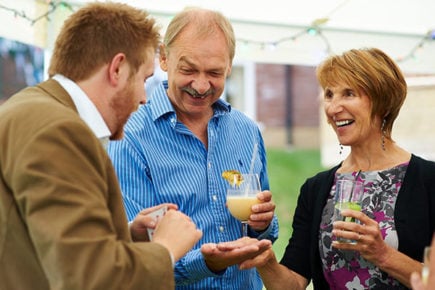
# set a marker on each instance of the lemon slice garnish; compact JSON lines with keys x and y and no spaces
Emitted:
{"x":233,"y":177}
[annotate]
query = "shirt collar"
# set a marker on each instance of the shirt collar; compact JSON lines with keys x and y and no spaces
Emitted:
{"x":161,"y":105}
{"x":86,"y":109}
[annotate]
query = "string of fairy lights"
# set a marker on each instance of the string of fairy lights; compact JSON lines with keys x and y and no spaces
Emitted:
{"x":315,"y":29}
{"x":52,"y":7}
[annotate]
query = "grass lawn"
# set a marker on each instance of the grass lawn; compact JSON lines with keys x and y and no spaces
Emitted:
{"x":288,"y":170}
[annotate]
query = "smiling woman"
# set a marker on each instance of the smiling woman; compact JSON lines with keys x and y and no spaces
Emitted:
{"x":363,"y":93}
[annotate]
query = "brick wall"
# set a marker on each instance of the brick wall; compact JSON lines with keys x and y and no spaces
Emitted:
{"x":287,"y":105}
{"x":271,"y":94}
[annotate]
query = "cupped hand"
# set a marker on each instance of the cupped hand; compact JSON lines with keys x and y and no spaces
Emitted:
{"x":260,"y":260}
{"x":262,"y":213}
{"x":220,"y":256}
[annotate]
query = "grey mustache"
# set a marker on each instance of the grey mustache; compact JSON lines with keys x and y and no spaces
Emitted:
{"x":194,"y":93}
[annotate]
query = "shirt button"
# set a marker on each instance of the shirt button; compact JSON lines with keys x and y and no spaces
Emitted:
{"x":214,"y":198}
{"x":209,"y":165}
{"x":221,"y":229}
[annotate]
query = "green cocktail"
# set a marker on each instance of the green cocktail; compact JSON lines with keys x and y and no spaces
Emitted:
{"x":348,"y":195}
{"x":346,"y":205}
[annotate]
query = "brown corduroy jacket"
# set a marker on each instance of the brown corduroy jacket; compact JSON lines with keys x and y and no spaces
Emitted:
{"x":62,"y":221}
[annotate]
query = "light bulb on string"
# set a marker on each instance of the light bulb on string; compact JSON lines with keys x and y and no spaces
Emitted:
{"x":312,"y":31}
{"x":244,"y":47}
{"x":271,"y":46}
{"x":315,"y":25}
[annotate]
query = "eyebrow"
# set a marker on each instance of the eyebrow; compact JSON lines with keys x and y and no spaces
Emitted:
{"x":186,"y":61}
{"x":191,"y":64}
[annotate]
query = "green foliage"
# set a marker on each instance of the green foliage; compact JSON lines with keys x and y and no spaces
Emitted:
{"x":288,"y":170}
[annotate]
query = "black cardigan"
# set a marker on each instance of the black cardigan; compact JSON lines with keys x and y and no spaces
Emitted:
{"x":414,"y":216}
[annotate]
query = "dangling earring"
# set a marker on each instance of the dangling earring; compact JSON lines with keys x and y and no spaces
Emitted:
{"x":383,"y":134}
{"x":341,"y":149}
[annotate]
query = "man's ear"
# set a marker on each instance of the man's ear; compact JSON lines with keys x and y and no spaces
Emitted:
{"x":229,"y":70}
{"x":115,"y":67}
{"x":163,"y":58}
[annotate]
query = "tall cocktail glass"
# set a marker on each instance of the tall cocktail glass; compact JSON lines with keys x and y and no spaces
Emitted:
{"x":348,"y":195}
{"x":241,"y":196}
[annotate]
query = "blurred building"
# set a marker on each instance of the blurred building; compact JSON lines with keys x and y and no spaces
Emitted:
{"x":283,"y":99}
{"x":21,"y":65}
{"x":286,"y":102}
{"x":273,"y":78}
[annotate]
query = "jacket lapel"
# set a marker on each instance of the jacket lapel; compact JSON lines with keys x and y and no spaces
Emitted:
{"x":56,"y":91}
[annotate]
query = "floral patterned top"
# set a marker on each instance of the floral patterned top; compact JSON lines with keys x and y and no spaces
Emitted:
{"x":347,"y":269}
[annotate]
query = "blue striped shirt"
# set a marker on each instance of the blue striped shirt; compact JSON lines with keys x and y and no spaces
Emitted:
{"x":160,"y":160}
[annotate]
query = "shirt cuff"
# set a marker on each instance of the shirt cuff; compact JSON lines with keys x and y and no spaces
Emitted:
{"x":260,"y":235}
{"x":194,"y":264}
{"x":172,"y":259}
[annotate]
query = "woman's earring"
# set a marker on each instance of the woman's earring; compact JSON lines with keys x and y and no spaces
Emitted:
{"x":341,"y":149}
{"x":383,"y":134}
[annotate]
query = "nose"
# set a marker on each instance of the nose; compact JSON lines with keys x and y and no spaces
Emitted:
{"x":333,"y":106}
{"x":201,"y":84}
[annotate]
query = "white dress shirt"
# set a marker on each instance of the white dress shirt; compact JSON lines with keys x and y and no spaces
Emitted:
{"x":86,"y":109}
